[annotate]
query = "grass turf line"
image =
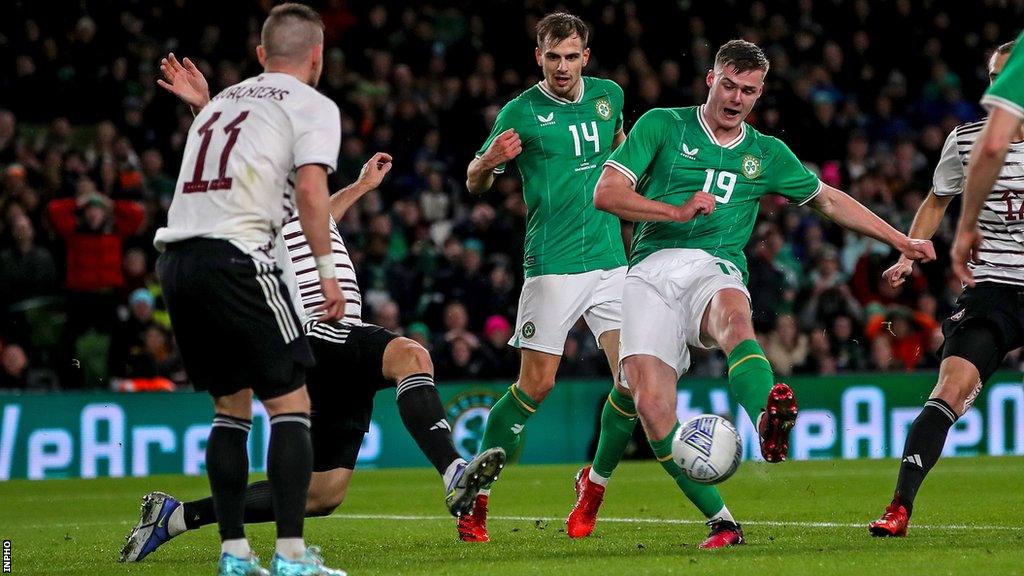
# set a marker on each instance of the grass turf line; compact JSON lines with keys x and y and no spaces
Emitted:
{"x":799,"y":518}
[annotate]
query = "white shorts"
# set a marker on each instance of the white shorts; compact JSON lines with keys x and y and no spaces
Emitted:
{"x":550,"y":304}
{"x":664,"y":299}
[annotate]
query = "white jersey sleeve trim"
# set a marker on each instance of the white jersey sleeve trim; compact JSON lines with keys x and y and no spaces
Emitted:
{"x":625,"y":171}
{"x":990,"y":100}
{"x":813,"y":194}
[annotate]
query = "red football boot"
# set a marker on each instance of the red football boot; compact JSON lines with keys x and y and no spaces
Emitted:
{"x":723,"y":533}
{"x":893,"y":522}
{"x":589,"y":496}
{"x":776,"y":422}
{"x":473,"y":526}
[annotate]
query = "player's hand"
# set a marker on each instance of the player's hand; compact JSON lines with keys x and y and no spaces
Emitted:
{"x":965,"y":248}
{"x":333,"y":308}
{"x":699,"y":203}
{"x":917,"y":249}
{"x":898,"y":272}
{"x":185,"y":81}
{"x":373,"y":172}
{"x":503,"y":148}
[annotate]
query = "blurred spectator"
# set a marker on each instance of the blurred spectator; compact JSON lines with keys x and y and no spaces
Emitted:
{"x":908,"y":332}
{"x":26,"y":269}
{"x":13,"y":367}
{"x":785,"y":347}
{"x":504,"y":359}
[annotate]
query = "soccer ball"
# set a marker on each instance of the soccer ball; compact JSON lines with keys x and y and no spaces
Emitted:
{"x":707,"y":448}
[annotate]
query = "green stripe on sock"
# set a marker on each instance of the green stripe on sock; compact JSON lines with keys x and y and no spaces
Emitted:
{"x":750,"y":377}
{"x":705,"y":497}
{"x":616,"y":430}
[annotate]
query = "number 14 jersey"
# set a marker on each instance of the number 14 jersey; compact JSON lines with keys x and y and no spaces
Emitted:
{"x":565,"y":144}
{"x":237,"y":173}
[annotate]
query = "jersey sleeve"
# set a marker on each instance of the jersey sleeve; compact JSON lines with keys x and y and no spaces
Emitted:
{"x":633,"y":156}
{"x":1007,"y":92}
{"x":504,"y":121}
{"x":948,"y":179}
{"x":317,"y":129}
{"x":790,"y":178}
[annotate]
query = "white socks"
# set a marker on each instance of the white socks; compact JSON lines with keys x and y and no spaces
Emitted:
{"x":597,"y":478}
{"x":291,"y":548}
{"x":724,"y":514}
{"x":176,"y":523}
{"x":449,"y":472}
{"x":239,"y":548}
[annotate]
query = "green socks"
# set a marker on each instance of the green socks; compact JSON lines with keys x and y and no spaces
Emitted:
{"x":618,"y":419}
{"x":750,"y":377}
{"x":507,"y":420}
{"x":704,"y":496}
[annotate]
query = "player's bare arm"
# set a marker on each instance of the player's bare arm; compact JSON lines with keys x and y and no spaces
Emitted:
{"x":926,"y":222}
{"x":185,"y":81}
{"x":619,"y":138}
{"x":987,"y":157}
{"x":314,"y":207}
{"x":480,"y":175}
{"x":370,"y":177}
{"x":839,"y":207}
{"x":615,"y":194}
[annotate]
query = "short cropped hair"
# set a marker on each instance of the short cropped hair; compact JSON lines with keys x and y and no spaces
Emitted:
{"x":741,"y":55}
{"x":291,"y":30}
{"x":1006,"y":48}
{"x":559,"y":26}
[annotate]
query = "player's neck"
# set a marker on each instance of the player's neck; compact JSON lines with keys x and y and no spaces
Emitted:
{"x":722,"y":135}
{"x":572,"y":95}
{"x":300,"y":75}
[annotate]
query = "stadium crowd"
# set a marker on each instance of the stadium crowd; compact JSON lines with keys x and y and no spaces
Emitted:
{"x":864,"y":92}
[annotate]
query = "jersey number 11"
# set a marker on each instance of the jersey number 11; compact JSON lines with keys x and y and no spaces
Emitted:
{"x":222,"y":182}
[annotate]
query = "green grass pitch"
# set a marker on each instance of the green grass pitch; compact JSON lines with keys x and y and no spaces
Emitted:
{"x":799,"y":518}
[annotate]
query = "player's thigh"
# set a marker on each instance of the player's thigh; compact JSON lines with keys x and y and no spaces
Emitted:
{"x":605,"y":311}
{"x":651,"y":324}
{"x":537,"y":371}
{"x":985,"y":326}
{"x":403,"y":357}
{"x":549,"y":305}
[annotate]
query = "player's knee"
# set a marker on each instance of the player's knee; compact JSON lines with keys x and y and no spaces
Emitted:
{"x":325,"y":503}
{"x":405,"y":357}
{"x":419,"y":358}
{"x":537,"y":385}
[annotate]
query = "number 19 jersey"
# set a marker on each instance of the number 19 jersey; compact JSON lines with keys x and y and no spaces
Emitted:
{"x":236,"y":179}
{"x":671,"y":154}
{"x":565,"y":144}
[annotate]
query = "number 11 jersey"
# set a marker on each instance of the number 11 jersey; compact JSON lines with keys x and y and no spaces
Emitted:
{"x":565,"y":144}
{"x":237,"y":174}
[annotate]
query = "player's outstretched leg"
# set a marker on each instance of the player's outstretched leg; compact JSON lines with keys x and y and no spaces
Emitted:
{"x":959,"y":381}
{"x":618,"y":420}
{"x":653,"y":384}
{"x":771,"y":407}
{"x":470,"y":478}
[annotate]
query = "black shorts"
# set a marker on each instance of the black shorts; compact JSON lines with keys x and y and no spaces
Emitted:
{"x":992,"y":306}
{"x":348,"y":373}
{"x":232,"y":319}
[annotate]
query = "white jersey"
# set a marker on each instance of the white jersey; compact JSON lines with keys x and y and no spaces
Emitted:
{"x":236,"y":179}
{"x":1001,"y":222}
{"x":303,"y":279}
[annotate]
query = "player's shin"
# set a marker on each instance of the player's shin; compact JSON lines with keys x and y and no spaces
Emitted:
{"x":923,"y":448}
{"x":618,"y":420}
{"x":507,"y":419}
{"x":704,"y":496}
{"x":750,"y":377}
{"x":227,"y":465}
{"x":424,"y":418}
{"x":289,"y":469}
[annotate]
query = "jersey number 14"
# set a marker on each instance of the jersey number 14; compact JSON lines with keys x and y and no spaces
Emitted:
{"x":221,"y":182}
{"x":591,"y":136}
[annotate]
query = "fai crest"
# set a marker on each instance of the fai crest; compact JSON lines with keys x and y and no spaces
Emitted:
{"x":467,"y":413}
{"x":603,"y":108}
{"x":751,"y":166}
{"x":529,"y":330}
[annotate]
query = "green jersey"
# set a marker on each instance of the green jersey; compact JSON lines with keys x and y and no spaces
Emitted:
{"x":1007,"y":91}
{"x":565,"y":144}
{"x":671,"y":154}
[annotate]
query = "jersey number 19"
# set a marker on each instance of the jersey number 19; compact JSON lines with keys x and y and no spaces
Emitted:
{"x":222,"y":182}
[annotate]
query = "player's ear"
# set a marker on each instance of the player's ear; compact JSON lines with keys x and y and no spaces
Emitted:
{"x":537,"y":55}
{"x":586,"y":56}
{"x":711,"y":78}
{"x":261,"y":55}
